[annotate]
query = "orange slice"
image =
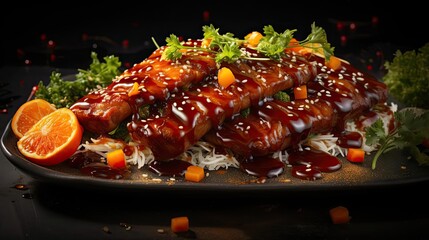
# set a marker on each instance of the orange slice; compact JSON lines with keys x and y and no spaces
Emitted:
{"x":53,"y":139}
{"x":29,"y":114}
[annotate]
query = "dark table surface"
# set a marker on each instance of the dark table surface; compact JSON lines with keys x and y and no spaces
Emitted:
{"x":50,"y":210}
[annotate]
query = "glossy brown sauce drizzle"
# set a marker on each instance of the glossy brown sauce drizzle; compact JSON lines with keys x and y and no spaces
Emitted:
{"x":188,"y":115}
{"x":173,"y":168}
{"x":334,"y":98}
{"x":181,"y":120}
{"x":309,"y":164}
{"x":90,"y":163}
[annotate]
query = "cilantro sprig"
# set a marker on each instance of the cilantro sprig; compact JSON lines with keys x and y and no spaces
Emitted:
{"x":411,"y":128}
{"x":226,"y":47}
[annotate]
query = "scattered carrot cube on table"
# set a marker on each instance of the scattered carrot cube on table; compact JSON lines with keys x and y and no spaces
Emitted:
{"x":180,"y":224}
{"x":339,"y":215}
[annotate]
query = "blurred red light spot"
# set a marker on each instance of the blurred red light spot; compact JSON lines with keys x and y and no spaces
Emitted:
{"x":51,"y":44}
{"x":43,"y":37}
{"x":125,"y":43}
{"x":340,"y":26}
{"x":343,"y":39}
{"x":85,"y":37}
{"x":374,"y":20}
{"x":206,"y":16}
{"x":379,"y":53}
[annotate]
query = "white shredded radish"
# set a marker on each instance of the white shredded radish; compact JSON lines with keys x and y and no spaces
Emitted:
{"x":204,"y":154}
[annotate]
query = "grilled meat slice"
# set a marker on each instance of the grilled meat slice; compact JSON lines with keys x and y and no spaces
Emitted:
{"x":335,"y":97}
{"x":274,"y":126}
{"x":350,"y":91}
{"x":101,"y":111}
{"x":188,"y":115}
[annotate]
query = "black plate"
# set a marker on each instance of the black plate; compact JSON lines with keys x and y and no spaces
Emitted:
{"x":393,"y":169}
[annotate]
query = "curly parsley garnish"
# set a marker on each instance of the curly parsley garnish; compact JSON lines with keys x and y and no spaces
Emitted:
{"x":408,"y":77}
{"x":411,"y":128}
{"x":63,"y":93}
{"x":226,"y":47}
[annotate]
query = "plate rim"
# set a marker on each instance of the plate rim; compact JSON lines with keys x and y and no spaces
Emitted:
{"x":46,"y":174}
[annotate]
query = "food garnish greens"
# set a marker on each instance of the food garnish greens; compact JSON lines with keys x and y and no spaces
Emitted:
{"x":411,"y":128}
{"x":64,"y":93}
{"x":408,"y":77}
{"x":272,"y":44}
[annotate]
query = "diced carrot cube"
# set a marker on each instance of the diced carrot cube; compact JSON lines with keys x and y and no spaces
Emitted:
{"x":300,"y":92}
{"x":116,"y":159}
{"x":180,"y":224}
{"x":134,"y":90}
{"x":225,"y":77}
{"x":355,"y":155}
{"x":333,"y":63}
{"x":339,"y":215}
{"x":253,"y":38}
{"x":194,"y":173}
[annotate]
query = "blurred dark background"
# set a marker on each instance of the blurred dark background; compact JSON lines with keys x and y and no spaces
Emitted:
{"x":62,"y":34}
